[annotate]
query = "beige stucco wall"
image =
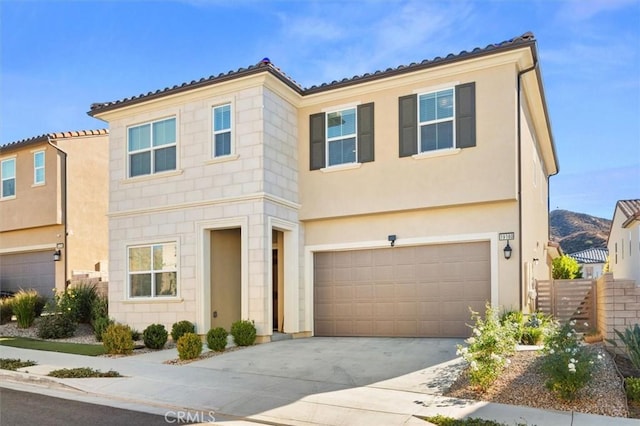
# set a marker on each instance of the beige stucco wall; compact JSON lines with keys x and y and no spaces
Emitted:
{"x":484,"y":173}
{"x":624,"y":248}
{"x":33,"y":205}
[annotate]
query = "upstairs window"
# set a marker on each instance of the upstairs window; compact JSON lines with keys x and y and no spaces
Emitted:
{"x":436,"y":120}
{"x":153,"y":270}
{"x":38,"y":168}
{"x":8,"y":178}
{"x":442,"y":119}
{"x":341,"y":137}
{"x":152,"y":147}
{"x":221,"y":130}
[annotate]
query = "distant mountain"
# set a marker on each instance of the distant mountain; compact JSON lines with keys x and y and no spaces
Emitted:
{"x":578,"y":231}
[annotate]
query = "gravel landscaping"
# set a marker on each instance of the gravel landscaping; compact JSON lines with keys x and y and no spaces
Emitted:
{"x":522,"y":383}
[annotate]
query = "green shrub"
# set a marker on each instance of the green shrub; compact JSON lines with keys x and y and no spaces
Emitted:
{"x":516,"y":321}
{"x":532,"y":335}
{"x":243,"y":332}
{"x":567,"y":364}
{"x":100,"y":325}
{"x":632,"y":386}
{"x":180,"y":328}
{"x":155,"y":336}
{"x":81,"y":373}
{"x":565,"y":268}
{"x":56,"y":326}
{"x":631,"y":340}
{"x":117,"y":339}
{"x":135,"y":335}
{"x":489,"y":347}
{"x":82,"y":299}
{"x":535,"y":328}
{"x":189,"y":346}
{"x":217,"y":339}
{"x":24,"y":307}
{"x":6,"y":310}
{"x":41,"y":302}
{"x":99,"y":308}
{"x":14,"y":363}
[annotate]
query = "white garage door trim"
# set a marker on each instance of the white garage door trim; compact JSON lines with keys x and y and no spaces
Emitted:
{"x":400,"y":242}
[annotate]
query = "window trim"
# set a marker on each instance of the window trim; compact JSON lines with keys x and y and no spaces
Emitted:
{"x":2,"y":179}
{"x":152,"y":149}
{"x":451,"y":119}
{"x":232,"y":146}
{"x":36,"y":168}
{"x":328,"y":139}
{"x":152,"y":297}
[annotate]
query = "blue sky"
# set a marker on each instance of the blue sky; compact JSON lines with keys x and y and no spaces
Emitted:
{"x":58,"y":57}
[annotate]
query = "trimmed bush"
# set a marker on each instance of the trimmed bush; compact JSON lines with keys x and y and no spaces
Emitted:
{"x":135,"y":335}
{"x":189,"y":346}
{"x":24,"y":307}
{"x":155,"y":336}
{"x":632,"y":387}
{"x":217,"y":339}
{"x":100,"y":325}
{"x":6,"y":310}
{"x":243,"y":332}
{"x":180,"y":328}
{"x":56,"y":326}
{"x":117,"y":339}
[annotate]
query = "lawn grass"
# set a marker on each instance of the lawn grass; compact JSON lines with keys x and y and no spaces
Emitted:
{"x":47,"y":345}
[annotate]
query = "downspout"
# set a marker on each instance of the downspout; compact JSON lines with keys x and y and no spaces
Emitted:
{"x":64,"y":211}
{"x":519,"y":155}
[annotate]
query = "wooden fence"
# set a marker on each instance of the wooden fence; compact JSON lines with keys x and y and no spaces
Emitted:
{"x":569,"y":300}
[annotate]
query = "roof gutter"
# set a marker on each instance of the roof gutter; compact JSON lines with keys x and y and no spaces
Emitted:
{"x":64,"y":211}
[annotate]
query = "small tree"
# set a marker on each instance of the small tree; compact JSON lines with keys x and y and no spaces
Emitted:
{"x":566,"y":268}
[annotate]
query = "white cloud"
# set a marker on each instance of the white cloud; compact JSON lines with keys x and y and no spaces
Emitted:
{"x":581,"y":10}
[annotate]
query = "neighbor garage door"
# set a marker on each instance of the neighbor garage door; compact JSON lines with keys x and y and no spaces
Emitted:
{"x":422,"y":291}
{"x":34,"y":270}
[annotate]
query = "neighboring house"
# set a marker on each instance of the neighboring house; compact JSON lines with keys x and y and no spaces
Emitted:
{"x":624,"y":241}
{"x":53,"y":203}
{"x":370,"y":206}
{"x":592,"y":261}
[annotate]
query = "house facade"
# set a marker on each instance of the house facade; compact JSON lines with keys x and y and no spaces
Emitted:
{"x":53,"y":205}
{"x":624,"y":241}
{"x":379,"y":205}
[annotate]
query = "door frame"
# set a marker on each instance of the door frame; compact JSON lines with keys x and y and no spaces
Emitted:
{"x":290,"y":257}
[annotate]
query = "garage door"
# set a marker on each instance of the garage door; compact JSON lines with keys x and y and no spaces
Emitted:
{"x":28,"y":270}
{"x":422,"y":291}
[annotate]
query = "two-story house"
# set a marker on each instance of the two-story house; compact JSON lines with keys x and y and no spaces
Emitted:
{"x":53,"y":209}
{"x":385,"y":204}
{"x":624,"y":241}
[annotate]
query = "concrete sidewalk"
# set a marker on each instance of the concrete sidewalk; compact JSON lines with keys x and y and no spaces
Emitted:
{"x":299,"y":382}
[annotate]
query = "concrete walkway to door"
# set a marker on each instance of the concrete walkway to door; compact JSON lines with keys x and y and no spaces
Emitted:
{"x":319,"y":381}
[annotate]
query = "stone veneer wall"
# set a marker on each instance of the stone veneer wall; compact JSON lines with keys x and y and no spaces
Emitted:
{"x":618,"y":306}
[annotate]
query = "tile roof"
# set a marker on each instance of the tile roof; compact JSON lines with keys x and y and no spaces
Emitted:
{"x":630,"y":209}
{"x":592,"y":255}
{"x":525,"y":40}
{"x":45,"y":137}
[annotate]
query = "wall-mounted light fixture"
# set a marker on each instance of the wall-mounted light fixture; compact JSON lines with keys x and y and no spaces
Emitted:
{"x":57,"y":255}
{"x":392,"y":239}
{"x":536,"y":260}
{"x":507,"y":251}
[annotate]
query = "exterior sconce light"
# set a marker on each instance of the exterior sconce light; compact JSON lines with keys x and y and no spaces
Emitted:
{"x":392,"y":239}
{"x":57,"y":255}
{"x":507,"y":251}
{"x":536,"y":260}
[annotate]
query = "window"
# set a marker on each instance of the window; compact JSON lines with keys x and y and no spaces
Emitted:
{"x":436,"y":120}
{"x":221,"y":130}
{"x":153,"y":270}
{"x":152,"y":147}
{"x":8,"y":178}
{"x":38,"y":167}
{"x":442,"y":119}
{"x":341,"y":137}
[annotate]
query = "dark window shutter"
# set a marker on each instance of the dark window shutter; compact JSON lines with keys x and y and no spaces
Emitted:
{"x":317,"y":141}
{"x":408,"y":110}
{"x":466,"y":115}
{"x":365,"y":133}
